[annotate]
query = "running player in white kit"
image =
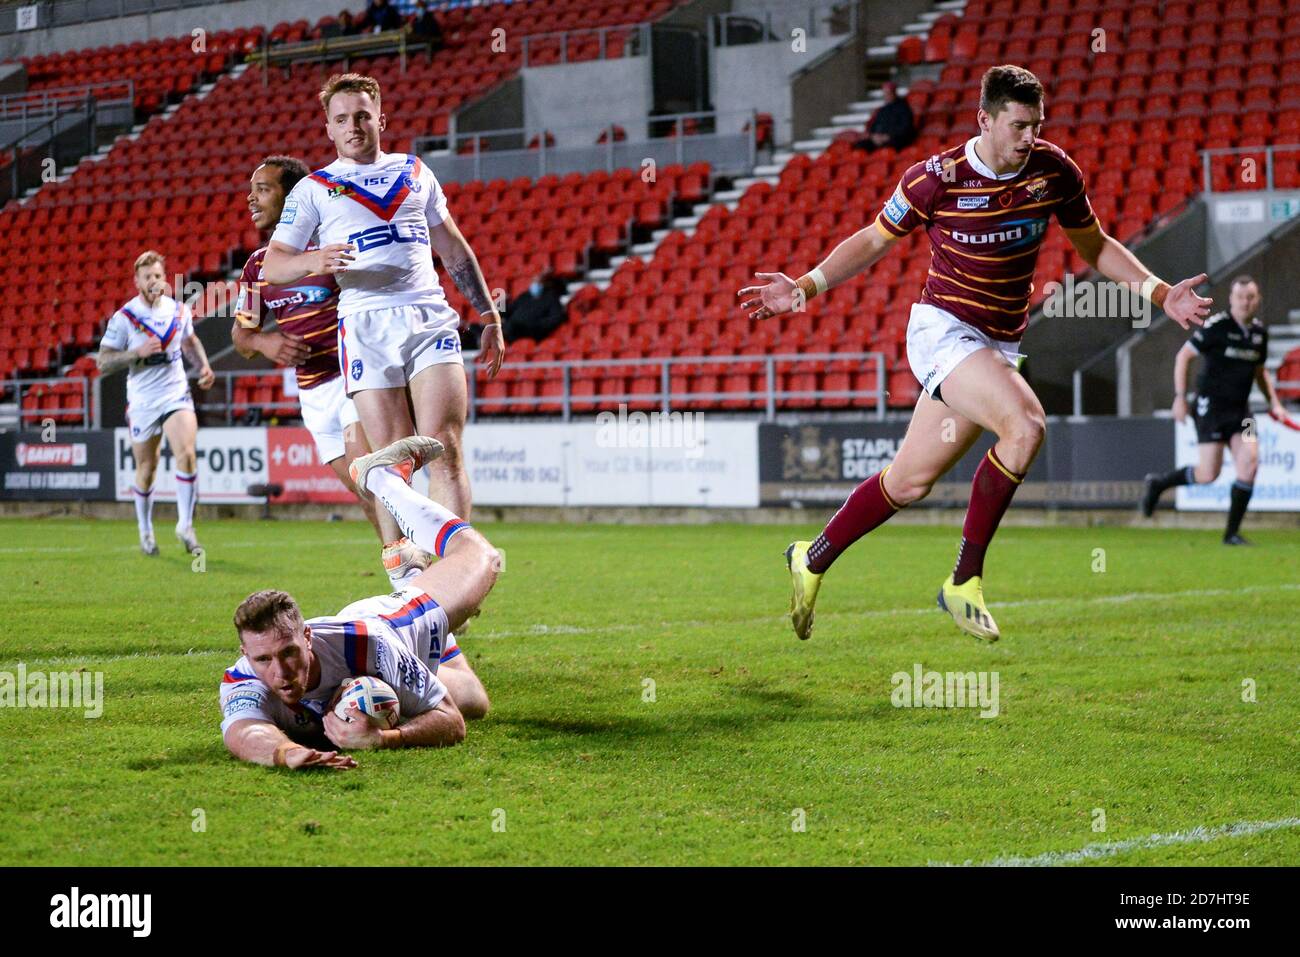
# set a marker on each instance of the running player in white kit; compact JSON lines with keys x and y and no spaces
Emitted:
{"x":276,"y":700}
{"x":147,"y":336}
{"x":378,"y":218}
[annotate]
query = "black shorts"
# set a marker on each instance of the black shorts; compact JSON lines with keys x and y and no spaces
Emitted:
{"x":1218,"y":422}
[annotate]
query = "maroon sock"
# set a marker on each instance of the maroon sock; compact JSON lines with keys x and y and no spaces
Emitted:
{"x":990,"y":495}
{"x":865,"y":508}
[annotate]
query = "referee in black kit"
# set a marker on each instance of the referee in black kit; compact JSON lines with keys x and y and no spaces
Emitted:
{"x":1233,"y":345}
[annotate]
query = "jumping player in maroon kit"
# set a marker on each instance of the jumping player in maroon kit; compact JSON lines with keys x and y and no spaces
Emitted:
{"x":985,"y":206}
{"x":306,"y":313}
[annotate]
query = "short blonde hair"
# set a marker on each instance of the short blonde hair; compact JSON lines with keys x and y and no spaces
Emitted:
{"x":148,"y":258}
{"x":348,"y":83}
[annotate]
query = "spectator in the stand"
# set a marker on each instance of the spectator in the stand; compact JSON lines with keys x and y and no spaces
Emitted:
{"x":425,"y":27}
{"x":347,"y":25}
{"x":338,"y":28}
{"x":381,"y":16}
{"x":893,"y":125}
{"x":536,"y":313}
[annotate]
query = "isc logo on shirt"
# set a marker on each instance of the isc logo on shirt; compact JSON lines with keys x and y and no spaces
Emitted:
{"x":972,"y":202}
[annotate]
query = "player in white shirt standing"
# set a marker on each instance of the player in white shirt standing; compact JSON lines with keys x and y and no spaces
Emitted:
{"x":148,"y":336}
{"x":276,"y":700}
{"x":378,"y":217}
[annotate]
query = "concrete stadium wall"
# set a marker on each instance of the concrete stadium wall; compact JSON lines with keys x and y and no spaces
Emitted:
{"x":757,"y":77}
{"x":170,"y":23}
{"x":577,"y":100}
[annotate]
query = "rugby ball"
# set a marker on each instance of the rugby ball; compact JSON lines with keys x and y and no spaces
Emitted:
{"x":368,"y":698}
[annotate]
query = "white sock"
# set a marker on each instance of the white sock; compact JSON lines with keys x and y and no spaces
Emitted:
{"x":186,"y":493}
{"x":143,"y":510}
{"x":423,"y":520}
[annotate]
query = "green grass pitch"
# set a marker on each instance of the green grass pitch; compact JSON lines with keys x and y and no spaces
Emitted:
{"x":1119,"y":689}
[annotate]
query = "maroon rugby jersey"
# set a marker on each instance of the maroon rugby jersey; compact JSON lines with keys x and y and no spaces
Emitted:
{"x":985,"y":231}
{"x":307,"y":308}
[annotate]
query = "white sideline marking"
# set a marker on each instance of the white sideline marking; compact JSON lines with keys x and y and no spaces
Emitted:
{"x":1093,"y":852}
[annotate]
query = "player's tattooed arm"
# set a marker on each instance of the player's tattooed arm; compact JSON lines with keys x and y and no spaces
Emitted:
{"x":469,"y":280}
{"x":462,"y":265}
{"x":114,"y":360}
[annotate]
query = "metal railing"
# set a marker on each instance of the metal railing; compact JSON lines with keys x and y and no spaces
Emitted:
{"x":665,"y":397}
{"x":401,"y":42}
{"x":1207,"y":165}
{"x":41,"y":103}
{"x":770,"y":395}
{"x":232,"y":410}
{"x":636,"y":42}
{"x":26,"y":417}
{"x":62,"y":13}
{"x":683,"y":138}
{"x":59,"y":134}
{"x":778,"y":26}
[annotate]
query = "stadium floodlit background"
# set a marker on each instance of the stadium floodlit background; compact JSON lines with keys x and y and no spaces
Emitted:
{"x":650,"y":704}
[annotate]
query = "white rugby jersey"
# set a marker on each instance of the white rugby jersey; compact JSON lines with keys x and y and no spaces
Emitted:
{"x":385,"y":209}
{"x":398,"y":638}
{"x":160,"y":379}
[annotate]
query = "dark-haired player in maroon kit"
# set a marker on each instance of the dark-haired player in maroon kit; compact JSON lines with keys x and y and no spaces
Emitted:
{"x":306,"y":314}
{"x":985,"y":206}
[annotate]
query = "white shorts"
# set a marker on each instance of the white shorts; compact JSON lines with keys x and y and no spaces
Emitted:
{"x":387,"y":348}
{"x":145,"y":421}
{"x":937,"y":342}
{"x":327,"y":412}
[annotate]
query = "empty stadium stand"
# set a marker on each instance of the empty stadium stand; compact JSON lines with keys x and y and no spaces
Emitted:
{"x":1133,"y":117}
{"x":1169,"y":80}
{"x":180,"y":185}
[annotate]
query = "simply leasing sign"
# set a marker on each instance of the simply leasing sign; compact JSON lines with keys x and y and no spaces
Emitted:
{"x":1277,"y":482}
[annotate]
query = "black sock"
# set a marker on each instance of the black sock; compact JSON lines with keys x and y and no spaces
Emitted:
{"x":1182,"y":476}
{"x":1241,"y":492}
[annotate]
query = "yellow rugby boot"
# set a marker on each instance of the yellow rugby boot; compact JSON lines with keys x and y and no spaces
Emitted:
{"x":804,"y":595}
{"x":965,"y":603}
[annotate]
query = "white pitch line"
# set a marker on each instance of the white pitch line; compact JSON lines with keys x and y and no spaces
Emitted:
{"x":64,"y":549}
{"x":132,"y":656}
{"x":538,"y":631}
{"x":1093,"y":852}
